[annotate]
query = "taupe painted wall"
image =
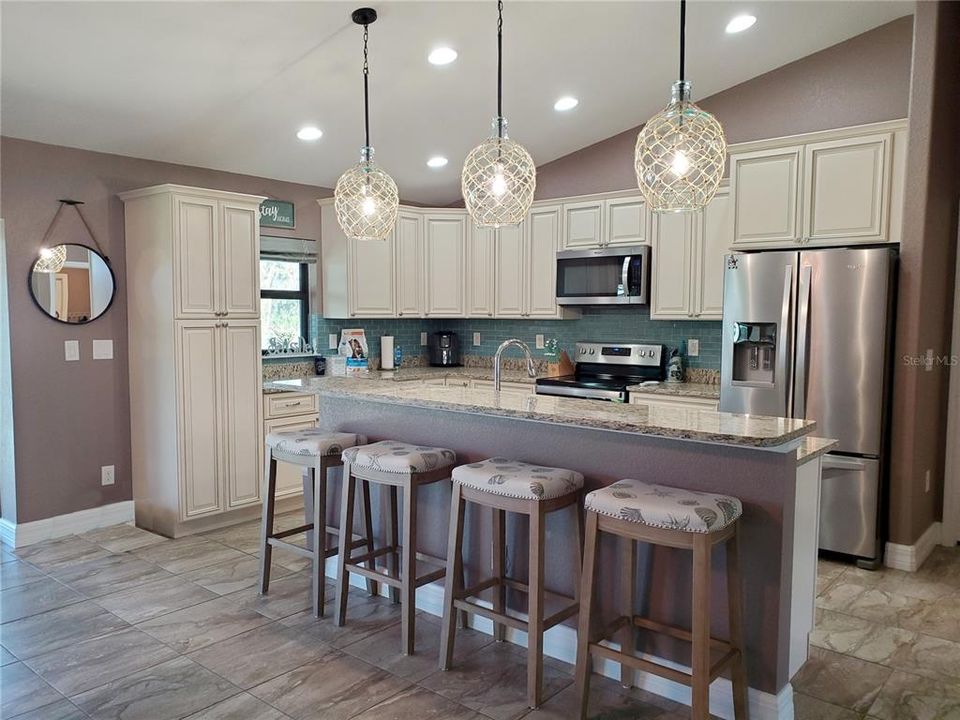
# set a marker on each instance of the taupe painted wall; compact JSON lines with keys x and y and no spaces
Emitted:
{"x":927,"y":261}
{"x":865,"y":79}
{"x":71,"y":418}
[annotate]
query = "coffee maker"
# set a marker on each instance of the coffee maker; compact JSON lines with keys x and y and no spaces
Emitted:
{"x":443,"y":349}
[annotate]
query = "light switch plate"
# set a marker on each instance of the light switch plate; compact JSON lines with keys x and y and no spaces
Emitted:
{"x":332,"y":341}
{"x":107,"y":475}
{"x":71,"y":350}
{"x":103,"y":349}
{"x":476,"y":339}
{"x":539,"y":342}
{"x":693,"y":347}
{"x":423,"y":338}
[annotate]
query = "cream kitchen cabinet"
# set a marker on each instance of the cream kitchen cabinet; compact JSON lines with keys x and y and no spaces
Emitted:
{"x":408,"y":254}
{"x":711,"y":244}
{"x":583,"y":224}
{"x":286,"y":412}
{"x":194,"y":356}
{"x":659,"y":400}
{"x":603,"y":222}
{"x":444,"y":268}
{"x":481,"y":272}
{"x":511,"y":272}
{"x":766,"y":190}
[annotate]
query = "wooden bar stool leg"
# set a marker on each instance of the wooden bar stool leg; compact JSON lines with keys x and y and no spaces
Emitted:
{"x":453,"y":585}
{"x":584,"y":662}
{"x":346,"y":536}
{"x":535,"y":611}
{"x":700,"y":611}
{"x":735,"y":603}
{"x":373,"y":587}
{"x":393,"y":538}
{"x":266,"y":520}
{"x":628,"y":580}
{"x":319,"y":476}
{"x":499,"y":563}
{"x":408,"y":590}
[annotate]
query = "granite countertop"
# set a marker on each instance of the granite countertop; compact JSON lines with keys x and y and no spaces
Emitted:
{"x":662,"y":421}
{"x":411,"y":374}
{"x":685,"y":389}
{"x":813,"y":447}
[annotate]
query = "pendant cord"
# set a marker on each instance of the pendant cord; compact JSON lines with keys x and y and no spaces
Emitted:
{"x":683,"y":36}
{"x":75,"y":204}
{"x":366,"y":87}
{"x":500,"y":59}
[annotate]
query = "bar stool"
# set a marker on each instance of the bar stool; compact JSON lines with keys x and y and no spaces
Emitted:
{"x":395,"y":465}
{"x":316,"y":450}
{"x":510,"y":486}
{"x":637,"y":511}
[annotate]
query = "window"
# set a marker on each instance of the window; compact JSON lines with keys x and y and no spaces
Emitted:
{"x":284,"y":303}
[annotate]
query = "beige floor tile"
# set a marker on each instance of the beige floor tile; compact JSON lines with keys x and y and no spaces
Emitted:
{"x":929,"y":656}
{"x":839,"y":595}
{"x":22,"y":690}
{"x":201,"y":625}
{"x":286,"y":596}
{"x":365,"y":615}
{"x":840,"y":679}
{"x":16,"y":573}
{"x":885,"y":645}
{"x":838,"y":632}
{"x":123,"y":538}
{"x":416,"y":702}
{"x":107,"y":575}
{"x":939,"y":618}
{"x":39,"y":634}
{"x":607,"y":700}
{"x":189,"y":553}
{"x":244,"y":537}
{"x":239,"y":707}
{"x":35,"y":598}
{"x":885,"y":607}
{"x":233,"y":575}
{"x":154,"y":599}
{"x":810,"y":708}
{"x":910,"y":697}
{"x":52,"y":554}
{"x":59,"y":710}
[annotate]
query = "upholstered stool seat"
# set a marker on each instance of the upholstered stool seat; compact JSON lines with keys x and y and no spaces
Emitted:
{"x":397,"y":457}
{"x":312,"y":442}
{"x":664,"y":507}
{"x":518,"y":479}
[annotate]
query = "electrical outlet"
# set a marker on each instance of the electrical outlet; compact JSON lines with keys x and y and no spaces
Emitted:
{"x":693,"y":347}
{"x":926,"y":481}
{"x":423,"y":339}
{"x":539,"y":340}
{"x":103,"y":349}
{"x":476,"y":339}
{"x":71,"y":350}
{"x":106,"y":475}
{"x":332,"y":341}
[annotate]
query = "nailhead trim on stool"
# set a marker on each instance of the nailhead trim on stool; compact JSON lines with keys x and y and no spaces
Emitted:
{"x":518,"y":479}
{"x":312,"y":441}
{"x":398,"y":457}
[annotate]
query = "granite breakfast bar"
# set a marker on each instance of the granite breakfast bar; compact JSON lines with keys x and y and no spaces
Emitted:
{"x":753,"y":458}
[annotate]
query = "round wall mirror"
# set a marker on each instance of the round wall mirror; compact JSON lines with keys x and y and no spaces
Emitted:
{"x":72,"y":283}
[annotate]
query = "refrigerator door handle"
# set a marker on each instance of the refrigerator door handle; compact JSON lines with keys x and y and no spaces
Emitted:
{"x":803,"y":334}
{"x":783,"y":350}
{"x":832,"y":462}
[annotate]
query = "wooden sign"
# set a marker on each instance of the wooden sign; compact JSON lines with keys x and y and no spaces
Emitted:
{"x":277,"y":214}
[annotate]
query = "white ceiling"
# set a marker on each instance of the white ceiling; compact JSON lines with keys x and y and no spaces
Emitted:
{"x":226,"y":85}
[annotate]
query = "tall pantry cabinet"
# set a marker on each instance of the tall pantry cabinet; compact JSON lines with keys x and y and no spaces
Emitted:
{"x":193,"y":322}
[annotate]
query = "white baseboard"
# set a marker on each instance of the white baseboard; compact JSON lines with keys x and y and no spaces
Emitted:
{"x":911,"y":557}
{"x":29,"y":533}
{"x":560,"y":643}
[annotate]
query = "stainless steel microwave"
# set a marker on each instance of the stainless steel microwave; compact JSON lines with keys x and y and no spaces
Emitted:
{"x":603,"y":276}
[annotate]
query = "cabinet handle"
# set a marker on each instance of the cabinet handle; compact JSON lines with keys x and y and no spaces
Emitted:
{"x":293,"y":404}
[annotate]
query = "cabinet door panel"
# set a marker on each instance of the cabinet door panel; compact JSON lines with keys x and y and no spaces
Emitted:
{"x":409,"y":265}
{"x":583,"y":224}
{"x":715,"y":239}
{"x":445,"y":240}
{"x":242,"y":383}
{"x":626,"y":221}
{"x":672,"y":266}
{"x":197,"y":280}
{"x":846,"y":187}
{"x":370,"y":263}
{"x":543,"y":235}
{"x":481,"y":272}
{"x":289,"y":476}
{"x":241,"y":260}
{"x":198,"y":356}
{"x":511,"y":272}
{"x":766,"y":188}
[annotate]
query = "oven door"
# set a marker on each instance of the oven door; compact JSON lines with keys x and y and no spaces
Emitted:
{"x":604,"y":276}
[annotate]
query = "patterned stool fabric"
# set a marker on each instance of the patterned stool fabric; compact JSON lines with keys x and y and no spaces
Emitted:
{"x":518,"y":479}
{"x":665,"y":507}
{"x":397,"y":457}
{"x":312,"y":442}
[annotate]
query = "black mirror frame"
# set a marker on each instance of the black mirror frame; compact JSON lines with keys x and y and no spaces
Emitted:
{"x":43,"y":310}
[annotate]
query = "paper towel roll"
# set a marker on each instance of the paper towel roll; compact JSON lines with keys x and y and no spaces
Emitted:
{"x":386,"y":352}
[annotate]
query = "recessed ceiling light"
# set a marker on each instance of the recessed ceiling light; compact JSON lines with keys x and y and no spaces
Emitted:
{"x":567,"y":102}
{"x":740,"y":23}
{"x":437,"y":161}
{"x":309,"y":133}
{"x":442,"y":56}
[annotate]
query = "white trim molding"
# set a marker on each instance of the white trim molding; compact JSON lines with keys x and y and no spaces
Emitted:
{"x":22,"y":534}
{"x":911,"y":557}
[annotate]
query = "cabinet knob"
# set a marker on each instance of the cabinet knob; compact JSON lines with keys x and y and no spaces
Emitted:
{"x":226,"y":324}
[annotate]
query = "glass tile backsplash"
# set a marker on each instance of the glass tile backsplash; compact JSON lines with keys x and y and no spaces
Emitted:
{"x":611,"y":324}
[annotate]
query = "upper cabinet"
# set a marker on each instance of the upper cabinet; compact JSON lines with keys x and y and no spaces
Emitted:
{"x":481,"y":272}
{"x":445,"y":249}
{"x":542,"y":241}
{"x":408,"y":256}
{"x":604,"y":222}
{"x":370,"y":265}
{"x":838,"y":187}
{"x":625,"y":221}
{"x":583,"y":224}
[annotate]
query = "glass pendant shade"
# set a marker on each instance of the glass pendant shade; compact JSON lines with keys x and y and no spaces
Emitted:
{"x":680,"y":155}
{"x":366,"y":200}
{"x":498,"y":180}
{"x":51,"y":259}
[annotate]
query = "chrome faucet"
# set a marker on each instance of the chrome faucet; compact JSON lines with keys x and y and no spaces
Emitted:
{"x":531,"y":370}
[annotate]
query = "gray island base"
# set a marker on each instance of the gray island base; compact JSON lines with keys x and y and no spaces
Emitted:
{"x":754,"y":459}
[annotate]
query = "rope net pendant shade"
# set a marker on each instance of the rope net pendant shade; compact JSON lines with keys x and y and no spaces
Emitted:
{"x":681,"y":150}
{"x":499,"y":176}
{"x":51,"y":259}
{"x":366,"y":199}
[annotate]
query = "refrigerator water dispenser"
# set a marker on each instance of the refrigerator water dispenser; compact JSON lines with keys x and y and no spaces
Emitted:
{"x":754,"y":352}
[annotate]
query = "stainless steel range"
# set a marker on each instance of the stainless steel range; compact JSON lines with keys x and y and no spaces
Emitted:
{"x":604,"y":371}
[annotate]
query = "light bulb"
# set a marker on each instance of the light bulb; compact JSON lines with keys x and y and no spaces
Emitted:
{"x":369,"y":206}
{"x":498,"y":185}
{"x":46,"y":253}
{"x":680,"y":164}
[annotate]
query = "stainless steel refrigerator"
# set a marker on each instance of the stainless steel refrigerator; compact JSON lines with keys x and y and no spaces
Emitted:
{"x":808,"y":334}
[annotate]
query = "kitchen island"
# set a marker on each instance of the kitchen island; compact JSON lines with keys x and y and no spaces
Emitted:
{"x":753,"y":458}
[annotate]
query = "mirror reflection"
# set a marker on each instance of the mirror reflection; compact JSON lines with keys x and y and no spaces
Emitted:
{"x":72,"y":283}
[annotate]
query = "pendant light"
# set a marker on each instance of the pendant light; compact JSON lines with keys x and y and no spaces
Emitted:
{"x":499,"y":176}
{"x":366,"y":198}
{"x":52,"y":257}
{"x":681,"y":150}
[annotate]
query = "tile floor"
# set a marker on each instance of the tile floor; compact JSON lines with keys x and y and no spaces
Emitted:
{"x":119,"y":623}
